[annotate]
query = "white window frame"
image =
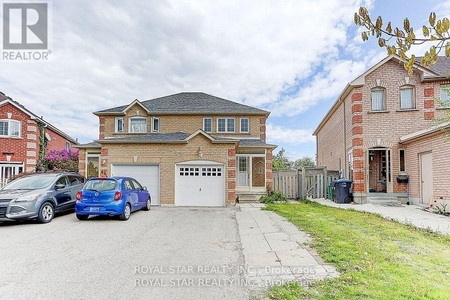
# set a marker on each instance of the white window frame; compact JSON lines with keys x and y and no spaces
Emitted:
{"x":153,"y":124}
{"x":413,"y":97}
{"x":250,"y":186}
{"x":226,"y":125}
{"x":248,"y":125}
{"x":446,"y":89}
{"x":116,"y":122}
{"x":136,"y":118}
{"x":10,"y":121}
{"x":383,"y":102}
{"x":67,"y":145}
{"x":204,"y":129}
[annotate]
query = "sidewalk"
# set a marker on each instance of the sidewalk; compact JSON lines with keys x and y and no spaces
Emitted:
{"x":408,"y":214}
{"x":275,"y":251}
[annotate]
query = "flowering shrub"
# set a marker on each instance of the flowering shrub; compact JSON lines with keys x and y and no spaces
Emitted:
{"x":58,"y":160}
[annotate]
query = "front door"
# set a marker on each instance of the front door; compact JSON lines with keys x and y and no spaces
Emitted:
{"x":426,"y":177}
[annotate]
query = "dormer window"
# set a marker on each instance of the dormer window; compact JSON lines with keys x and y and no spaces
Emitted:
{"x":156,"y":124}
{"x":120,"y":125}
{"x":377,"y":96}
{"x":407,"y":97}
{"x":138,"y":125}
{"x":10,"y":128}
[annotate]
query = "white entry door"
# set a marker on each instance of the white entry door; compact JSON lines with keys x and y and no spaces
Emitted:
{"x":146,"y":175}
{"x":426,"y":176}
{"x":200,"y":184}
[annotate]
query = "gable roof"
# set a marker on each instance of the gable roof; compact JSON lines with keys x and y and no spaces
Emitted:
{"x":7,"y":100}
{"x":189,"y":103}
{"x":435,"y":72}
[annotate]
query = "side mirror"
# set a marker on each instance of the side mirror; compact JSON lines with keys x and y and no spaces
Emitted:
{"x":144,"y":188}
{"x":59,"y":186}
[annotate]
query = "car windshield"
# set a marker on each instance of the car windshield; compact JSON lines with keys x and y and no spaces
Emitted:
{"x":101,"y":185}
{"x":31,"y":183}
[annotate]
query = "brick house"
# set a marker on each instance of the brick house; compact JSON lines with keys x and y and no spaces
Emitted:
{"x":188,"y":149}
{"x":19,"y":138}
{"x":382,"y":129}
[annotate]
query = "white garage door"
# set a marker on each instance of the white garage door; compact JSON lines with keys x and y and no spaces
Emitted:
{"x":200,"y":183}
{"x":147,"y":175}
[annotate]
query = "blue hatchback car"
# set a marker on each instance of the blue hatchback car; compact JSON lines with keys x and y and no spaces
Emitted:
{"x":111,"y":196}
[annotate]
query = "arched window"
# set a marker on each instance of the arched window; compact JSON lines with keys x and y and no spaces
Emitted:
{"x":407,"y":97}
{"x":378,"y":98}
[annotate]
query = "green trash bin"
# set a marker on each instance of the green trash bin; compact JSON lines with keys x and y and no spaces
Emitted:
{"x":330,"y":192}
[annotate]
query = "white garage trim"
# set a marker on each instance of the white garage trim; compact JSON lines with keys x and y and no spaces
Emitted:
{"x":202,"y":184}
{"x":155,"y":200}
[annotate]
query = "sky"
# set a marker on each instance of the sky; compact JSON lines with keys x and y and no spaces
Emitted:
{"x":290,"y":57}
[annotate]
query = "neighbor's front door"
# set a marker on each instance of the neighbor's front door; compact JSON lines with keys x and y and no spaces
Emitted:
{"x":426,"y":176}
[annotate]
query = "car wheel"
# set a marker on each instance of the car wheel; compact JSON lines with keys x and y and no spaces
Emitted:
{"x":46,"y":213}
{"x":126,"y":212}
{"x":82,"y":217}
{"x":148,"y":205}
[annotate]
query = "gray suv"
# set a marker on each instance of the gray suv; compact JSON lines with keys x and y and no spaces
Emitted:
{"x":39,"y":196}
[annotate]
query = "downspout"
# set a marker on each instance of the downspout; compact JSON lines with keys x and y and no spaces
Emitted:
{"x":345,"y":143}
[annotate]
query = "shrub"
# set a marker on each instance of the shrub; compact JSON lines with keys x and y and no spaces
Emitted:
{"x":58,"y":160}
{"x":274,"y":196}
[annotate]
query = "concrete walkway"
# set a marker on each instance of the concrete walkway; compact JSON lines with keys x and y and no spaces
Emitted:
{"x":408,"y":214}
{"x":275,"y":251}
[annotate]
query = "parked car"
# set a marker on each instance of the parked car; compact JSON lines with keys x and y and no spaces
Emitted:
{"x":39,"y":196}
{"x":111,"y":196}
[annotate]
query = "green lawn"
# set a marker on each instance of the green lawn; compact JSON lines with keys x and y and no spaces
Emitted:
{"x":377,"y":258}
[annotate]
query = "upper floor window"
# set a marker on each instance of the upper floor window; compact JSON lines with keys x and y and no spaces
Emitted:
{"x":377,"y":96}
{"x":207,"y":124}
{"x":67,"y":145}
{"x":138,"y":125}
{"x":225,"y":125}
{"x":407,"y":97}
{"x":119,"y":125}
{"x":10,"y":128}
{"x":244,"y":125}
{"x":445,"y":95}
{"x":156,"y":124}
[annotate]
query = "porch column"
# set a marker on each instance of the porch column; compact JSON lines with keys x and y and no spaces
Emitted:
{"x":359,"y":186}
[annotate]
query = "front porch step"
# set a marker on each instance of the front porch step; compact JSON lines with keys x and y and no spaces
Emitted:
{"x":384,"y":200}
{"x":246,"y":198}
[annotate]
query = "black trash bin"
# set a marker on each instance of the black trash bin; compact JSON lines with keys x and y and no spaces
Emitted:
{"x":341,"y":191}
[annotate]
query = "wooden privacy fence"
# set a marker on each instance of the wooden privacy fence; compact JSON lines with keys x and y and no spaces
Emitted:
{"x":304,"y":183}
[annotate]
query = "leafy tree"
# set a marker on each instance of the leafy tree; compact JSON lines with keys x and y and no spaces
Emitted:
{"x":281,"y":162}
{"x":399,"y":41}
{"x":306,"y":162}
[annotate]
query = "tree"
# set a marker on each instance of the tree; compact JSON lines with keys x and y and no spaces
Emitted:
{"x":281,"y":162}
{"x":306,"y":162}
{"x":399,"y":41}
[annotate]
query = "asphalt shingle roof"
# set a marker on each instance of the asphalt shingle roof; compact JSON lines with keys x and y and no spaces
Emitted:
{"x":191,"y":102}
{"x":441,"y":67}
{"x":89,"y":145}
{"x":252,"y":143}
{"x":154,"y":137}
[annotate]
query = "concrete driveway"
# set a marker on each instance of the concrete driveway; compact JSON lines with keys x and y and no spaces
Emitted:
{"x":167,"y":253}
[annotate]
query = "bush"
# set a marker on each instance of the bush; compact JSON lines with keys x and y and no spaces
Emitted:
{"x":274,"y":196}
{"x":58,"y":160}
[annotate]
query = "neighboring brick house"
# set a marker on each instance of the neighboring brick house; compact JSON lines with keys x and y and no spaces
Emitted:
{"x":19,"y":138}
{"x":188,"y":149}
{"x":382,"y":129}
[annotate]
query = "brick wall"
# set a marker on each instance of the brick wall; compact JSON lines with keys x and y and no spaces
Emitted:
{"x":26,"y":148}
{"x":167,"y":155}
{"x":186,"y":123}
{"x":440,"y":148}
{"x":366,"y":129}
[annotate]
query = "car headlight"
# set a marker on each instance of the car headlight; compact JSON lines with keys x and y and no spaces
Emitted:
{"x":27,"y":198}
